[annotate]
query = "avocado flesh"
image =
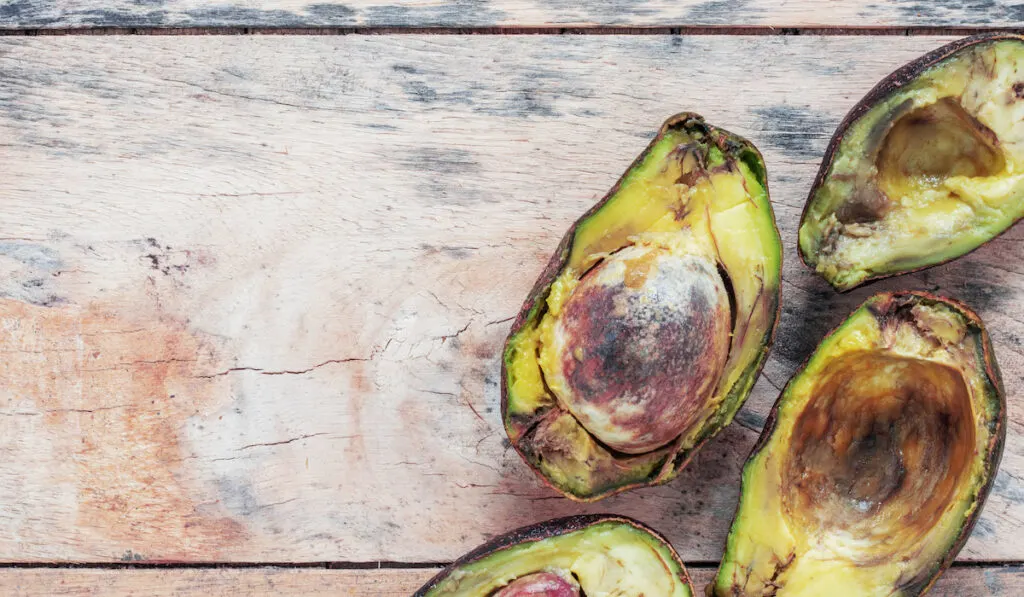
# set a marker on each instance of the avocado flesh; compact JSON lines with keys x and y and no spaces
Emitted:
{"x":931,"y":169}
{"x":610,"y":558}
{"x":876,"y":461}
{"x":648,"y":330}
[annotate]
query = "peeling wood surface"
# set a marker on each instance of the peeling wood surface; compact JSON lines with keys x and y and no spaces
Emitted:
{"x":987,"y":581}
{"x":255,"y":289}
{"x":17,"y":14}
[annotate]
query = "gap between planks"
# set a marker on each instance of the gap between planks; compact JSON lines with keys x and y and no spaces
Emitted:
{"x":382,"y":565}
{"x":693,"y":30}
{"x":991,"y":582}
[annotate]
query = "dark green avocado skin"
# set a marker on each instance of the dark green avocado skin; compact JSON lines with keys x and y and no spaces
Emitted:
{"x":902,"y":76}
{"x":539,"y":532}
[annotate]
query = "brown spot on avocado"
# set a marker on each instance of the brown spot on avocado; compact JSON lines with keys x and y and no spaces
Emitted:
{"x":1018,"y":89}
{"x":638,"y":269}
{"x":868,"y":204}
{"x":690,"y":178}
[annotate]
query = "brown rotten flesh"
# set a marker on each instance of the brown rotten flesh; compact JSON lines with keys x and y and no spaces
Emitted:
{"x":645,"y":333}
{"x":882,"y":449}
{"x":927,"y":167}
{"x":568,"y":557}
{"x":876,"y":460}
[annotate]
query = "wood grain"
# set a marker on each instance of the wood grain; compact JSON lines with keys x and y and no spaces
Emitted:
{"x":20,"y":14}
{"x":987,"y":581}
{"x":255,"y":289}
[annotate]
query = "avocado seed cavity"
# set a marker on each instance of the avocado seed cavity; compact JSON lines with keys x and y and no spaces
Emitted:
{"x":880,"y":451}
{"x":933,"y":143}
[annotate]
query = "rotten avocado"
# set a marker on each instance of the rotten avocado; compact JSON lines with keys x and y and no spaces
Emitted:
{"x":568,"y":557}
{"x":646,"y":331}
{"x":927,"y":167}
{"x":875,"y":461}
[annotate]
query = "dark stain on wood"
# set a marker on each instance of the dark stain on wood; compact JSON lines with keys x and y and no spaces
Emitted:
{"x":940,"y":11}
{"x":750,"y":419}
{"x":228,"y":16}
{"x":435,"y":172}
{"x":27,"y":13}
{"x":167,"y":260}
{"x":614,"y":12}
{"x":807,"y":315}
{"x":332,"y":14}
{"x":414,"y":83}
{"x":238,"y":495}
{"x":29,"y":273}
{"x":720,"y":12}
{"x":960,"y":279}
{"x":983,"y":528}
{"x":100,"y":17}
{"x":534,"y":92}
{"x":451,"y":13}
{"x":442,"y":161}
{"x":798,"y":132}
{"x":1008,"y":486}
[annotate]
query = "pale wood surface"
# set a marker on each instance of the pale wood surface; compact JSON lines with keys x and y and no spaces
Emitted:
{"x":16,"y":14}
{"x":256,"y":288}
{"x":988,"y":581}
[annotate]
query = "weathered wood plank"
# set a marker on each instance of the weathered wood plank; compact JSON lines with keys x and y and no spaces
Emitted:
{"x":15,"y":14}
{"x":256,"y":288}
{"x":987,"y":581}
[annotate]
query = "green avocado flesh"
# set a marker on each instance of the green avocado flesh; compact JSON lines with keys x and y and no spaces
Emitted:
{"x":930,"y":170}
{"x":647,"y":330}
{"x":612,"y":558}
{"x":876,"y":460}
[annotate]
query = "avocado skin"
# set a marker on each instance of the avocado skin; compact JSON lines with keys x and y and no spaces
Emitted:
{"x":888,"y":305}
{"x":729,"y":142}
{"x":539,"y":532}
{"x":890,"y":84}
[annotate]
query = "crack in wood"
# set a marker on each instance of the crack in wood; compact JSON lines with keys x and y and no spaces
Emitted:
{"x":282,"y":442}
{"x":284,"y":371}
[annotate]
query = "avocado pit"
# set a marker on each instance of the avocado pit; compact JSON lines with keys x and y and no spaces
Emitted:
{"x":541,"y":584}
{"x":639,"y":346}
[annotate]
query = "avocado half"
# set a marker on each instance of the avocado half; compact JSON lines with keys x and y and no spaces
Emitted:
{"x":644,"y":334}
{"x":876,"y":459}
{"x":567,"y":557}
{"x":927,"y":167}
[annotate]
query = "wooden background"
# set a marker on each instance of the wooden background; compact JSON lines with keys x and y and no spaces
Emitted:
{"x":253,"y":289}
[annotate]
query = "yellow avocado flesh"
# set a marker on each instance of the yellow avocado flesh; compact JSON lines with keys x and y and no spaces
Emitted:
{"x":930,"y":172}
{"x":608,"y":560}
{"x":877,"y":458}
{"x":687,"y":202}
